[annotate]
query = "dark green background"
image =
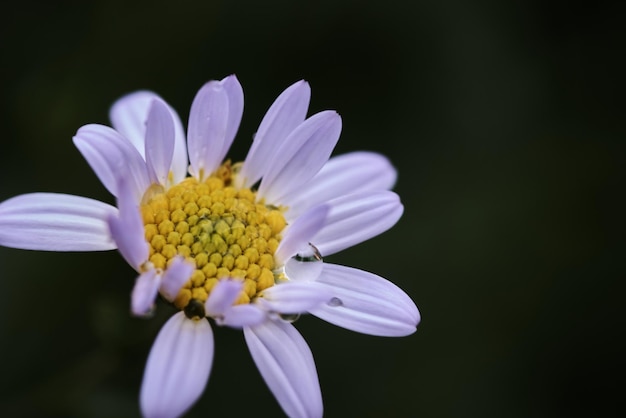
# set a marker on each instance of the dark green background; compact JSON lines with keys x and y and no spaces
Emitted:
{"x":505,"y":121}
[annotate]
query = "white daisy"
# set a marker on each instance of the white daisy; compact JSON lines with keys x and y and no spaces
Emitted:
{"x":201,"y":234}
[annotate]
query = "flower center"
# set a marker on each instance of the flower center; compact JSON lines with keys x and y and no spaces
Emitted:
{"x":219,"y":228}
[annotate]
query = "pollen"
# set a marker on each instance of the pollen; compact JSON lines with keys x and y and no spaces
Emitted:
{"x":224,"y":231}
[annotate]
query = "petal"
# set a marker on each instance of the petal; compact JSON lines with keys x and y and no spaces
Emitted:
{"x":208,"y":123}
{"x":175,"y":276}
{"x":297,"y":236}
{"x":294,"y":297}
{"x":345,"y":174}
{"x":222,"y":296}
{"x":286,"y":363}
{"x":144,"y":293}
{"x":366,"y":303}
{"x":178,"y":367}
{"x":235,"y":110}
{"x":112,"y":156}
{"x":127,"y":228}
{"x":240,"y":316}
{"x":355,"y":218}
{"x":159,"y":142}
{"x":129,"y":115}
{"x":286,"y":113}
{"x":301,"y":156}
{"x":55,"y":222}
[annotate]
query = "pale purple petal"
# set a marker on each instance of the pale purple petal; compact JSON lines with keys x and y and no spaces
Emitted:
{"x":366,"y":303}
{"x":286,"y":113}
{"x":240,"y":316}
{"x":127,"y":228}
{"x":222,"y":296}
{"x":208,"y":123}
{"x":112,"y":156}
{"x":178,"y":367}
{"x":286,"y":363}
{"x":345,"y":174}
{"x":145,"y":292}
{"x":297,"y":236}
{"x":159,"y":142}
{"x":294,"y":297}
{"x":235,"y":110}
{"x":355,"y":218}
{"x":129,"y":115}
{"x":175,"y":276}
{"x":301,"y":156}
{"x":55,"y":222}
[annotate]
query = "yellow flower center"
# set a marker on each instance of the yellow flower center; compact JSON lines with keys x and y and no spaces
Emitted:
{"x":224,"y":231}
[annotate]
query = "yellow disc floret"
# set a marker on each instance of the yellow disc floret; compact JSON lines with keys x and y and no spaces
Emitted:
{"x":219,"y":228}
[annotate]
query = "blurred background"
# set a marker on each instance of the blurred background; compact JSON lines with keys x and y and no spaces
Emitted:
{"x":505,"y":121}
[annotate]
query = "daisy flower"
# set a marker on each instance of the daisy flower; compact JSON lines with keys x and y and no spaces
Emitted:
{"x":241,"y":243}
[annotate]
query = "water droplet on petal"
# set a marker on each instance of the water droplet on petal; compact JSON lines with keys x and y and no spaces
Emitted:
{"x":291,"y":318}
{"x":305,"y":265}
{"x":312,"y":256}
{"x":335,"y":302}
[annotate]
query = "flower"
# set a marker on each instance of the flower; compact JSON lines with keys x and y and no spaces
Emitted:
{"x":200,"y":233}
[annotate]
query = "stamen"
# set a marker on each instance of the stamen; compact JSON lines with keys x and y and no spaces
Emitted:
{"x":224,"y":231}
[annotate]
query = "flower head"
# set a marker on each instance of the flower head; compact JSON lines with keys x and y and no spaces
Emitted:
{"x":240,"y":243}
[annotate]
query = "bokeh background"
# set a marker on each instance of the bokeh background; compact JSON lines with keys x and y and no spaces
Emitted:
{"x":505,"y":121}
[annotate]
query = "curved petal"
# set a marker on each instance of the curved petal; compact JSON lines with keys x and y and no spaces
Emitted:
{"x":55,"y":222}
{"x":366,"y":303}
{"x":159,"y":142}
{"x":144,"y":293}
{"x":355,"y":218}
{"x":286,"y":363}
{"x":298,"y":235}
{"x":127,"y":228}
{"x":235,"y":110}
{"x":178,"y":367}
{"x":301,"y":156}
{"x":206,"y":133}
{"x":112,"y":156}
{"x":222,"y":297}
{"x":284,"y":115}
{"x":175,"y":277}
{"x":345,"y":174}
{"x":240,"y":316}
{"x":294,"y":297}
{"x":129,"y":115}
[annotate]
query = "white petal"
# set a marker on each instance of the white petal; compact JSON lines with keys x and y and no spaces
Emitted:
{"x":240,"y":316}
{"x":286,"y":363}
{"x":355,"y":218}
{"x":345,"y":174}
{"x":127,"y":228}
{"x":206,"y":133}
{"x":301,"y":156}
{"x":55,"y":222}
{"x":178,"y":367}
{"x":112,"y":156}
{"x":159,"y":142}
{"x":297,"y":236}
{"x":175,"y":276}
{"x":294,"y":297}
{"x":366,"y":303}
{"x":222,"y":296}
{"x":145,"y":292}
{"x":129,"y":115}
{"x":286,"y":113}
